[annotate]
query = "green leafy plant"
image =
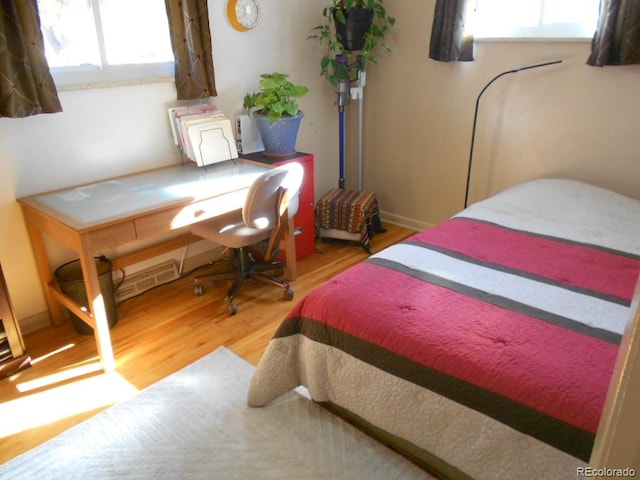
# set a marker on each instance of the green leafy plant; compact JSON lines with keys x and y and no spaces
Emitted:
{"x":374,"y":38}
{"x":277,"y":96}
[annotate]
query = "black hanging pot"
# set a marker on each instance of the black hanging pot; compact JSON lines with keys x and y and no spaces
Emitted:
{"x":357,"y":23}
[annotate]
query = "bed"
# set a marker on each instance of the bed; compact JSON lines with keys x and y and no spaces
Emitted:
{"x":482,"y":347}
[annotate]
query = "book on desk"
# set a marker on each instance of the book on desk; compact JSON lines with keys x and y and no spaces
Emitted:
{"x":203,"y":134}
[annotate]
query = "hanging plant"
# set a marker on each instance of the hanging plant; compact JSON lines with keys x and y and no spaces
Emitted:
{"x":351,"y":26}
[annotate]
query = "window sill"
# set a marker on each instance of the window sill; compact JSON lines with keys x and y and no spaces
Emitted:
{"x":112,"y":84}
{"x":86,"y":77}
{"x":532,"y":39}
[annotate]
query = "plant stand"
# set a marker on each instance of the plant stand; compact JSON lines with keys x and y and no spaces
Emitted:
{"x":342,"y":214}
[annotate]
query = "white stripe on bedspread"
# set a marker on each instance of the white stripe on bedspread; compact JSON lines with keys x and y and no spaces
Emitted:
{"x":565,"y":209}
{"x":579,"y":307}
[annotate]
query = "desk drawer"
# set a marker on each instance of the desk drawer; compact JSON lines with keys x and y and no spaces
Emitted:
{"x":178,"y":217}
{"x":113,"y":235}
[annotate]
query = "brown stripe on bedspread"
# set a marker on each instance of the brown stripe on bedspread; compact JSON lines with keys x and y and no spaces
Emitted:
{"x":572,"y":440}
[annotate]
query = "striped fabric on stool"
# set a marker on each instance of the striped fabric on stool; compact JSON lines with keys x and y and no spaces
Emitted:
{"x":352,"y":211}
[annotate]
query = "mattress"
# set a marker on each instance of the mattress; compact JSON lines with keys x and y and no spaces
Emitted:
{"x":485,"y":343}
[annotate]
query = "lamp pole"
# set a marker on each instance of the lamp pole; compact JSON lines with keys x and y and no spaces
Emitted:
{"x":475,"y":116}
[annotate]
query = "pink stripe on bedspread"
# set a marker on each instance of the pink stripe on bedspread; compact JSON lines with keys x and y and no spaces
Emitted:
{"x":517,"y":356}
{"x":567,"y":263}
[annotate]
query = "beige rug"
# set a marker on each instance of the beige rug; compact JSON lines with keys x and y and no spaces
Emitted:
{"x":195,"y":424}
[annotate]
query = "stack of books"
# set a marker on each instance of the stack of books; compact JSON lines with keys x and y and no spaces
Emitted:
{"x":203,"y":134}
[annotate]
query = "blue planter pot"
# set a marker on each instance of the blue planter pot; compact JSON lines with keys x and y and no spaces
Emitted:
{"x":279,"y":138}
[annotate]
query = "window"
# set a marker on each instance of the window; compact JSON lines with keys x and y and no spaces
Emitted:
{"x":534,"y":18}
{"x":90,"y":41}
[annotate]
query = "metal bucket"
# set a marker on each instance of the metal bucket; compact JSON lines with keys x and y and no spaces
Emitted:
{"x":71,"y":281}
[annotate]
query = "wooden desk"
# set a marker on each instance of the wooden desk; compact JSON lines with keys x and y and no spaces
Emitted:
{"x":90,"y":219}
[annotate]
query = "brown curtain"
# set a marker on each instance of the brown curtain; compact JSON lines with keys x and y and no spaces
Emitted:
{"x":191,"y":42}
{"x":448,"y":42}
{"x":26,"y":86}
{"x":617,"y":38}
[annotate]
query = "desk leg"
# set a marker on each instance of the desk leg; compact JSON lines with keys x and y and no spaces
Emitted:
{"x":289,"y":242}
{"x":44,"y":271}
{"x":98,"y":310}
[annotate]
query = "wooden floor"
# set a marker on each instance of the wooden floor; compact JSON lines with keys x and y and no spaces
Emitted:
{"x":158,"y":333}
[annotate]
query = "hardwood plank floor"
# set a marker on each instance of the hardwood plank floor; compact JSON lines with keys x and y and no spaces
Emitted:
{"x":157,"y":334}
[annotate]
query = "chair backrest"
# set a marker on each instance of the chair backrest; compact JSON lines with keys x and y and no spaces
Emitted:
{"x":271,"y":194}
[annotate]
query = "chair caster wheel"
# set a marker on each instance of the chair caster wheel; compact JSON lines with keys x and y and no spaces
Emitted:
{"x":198,"y":290}
{"x":231,"y":307}
{"x":288,"y":294}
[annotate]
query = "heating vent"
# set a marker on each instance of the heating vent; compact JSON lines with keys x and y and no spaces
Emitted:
{"x":146,"y":279}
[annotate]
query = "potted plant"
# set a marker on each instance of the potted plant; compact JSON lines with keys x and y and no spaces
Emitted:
{"x":351,"y":25}
{"x":276,"y":111}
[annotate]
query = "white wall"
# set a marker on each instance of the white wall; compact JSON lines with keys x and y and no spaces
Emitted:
{"x":571,"y":121}
{"x":112,"y":131}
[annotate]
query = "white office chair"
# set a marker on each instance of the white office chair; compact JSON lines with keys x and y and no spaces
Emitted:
{"x":271,"y":200}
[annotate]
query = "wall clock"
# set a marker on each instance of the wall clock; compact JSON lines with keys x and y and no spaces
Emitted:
{"x":243,"y":14}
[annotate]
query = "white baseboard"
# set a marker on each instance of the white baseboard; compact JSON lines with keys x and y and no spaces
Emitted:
{"x":34,"y":322}
{"x":202,"y":258}
{"x":405,"y":222}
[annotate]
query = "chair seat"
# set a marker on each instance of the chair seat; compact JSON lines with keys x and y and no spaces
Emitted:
{"x":230,"y":230}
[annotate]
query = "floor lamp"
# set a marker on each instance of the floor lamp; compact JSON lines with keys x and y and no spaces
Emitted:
{"x":475,"y":116}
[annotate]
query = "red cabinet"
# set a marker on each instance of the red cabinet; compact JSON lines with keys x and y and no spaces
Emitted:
{"x":304,"y":220}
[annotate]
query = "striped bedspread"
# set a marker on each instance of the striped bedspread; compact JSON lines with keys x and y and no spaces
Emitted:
{"x":501,"y":325}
